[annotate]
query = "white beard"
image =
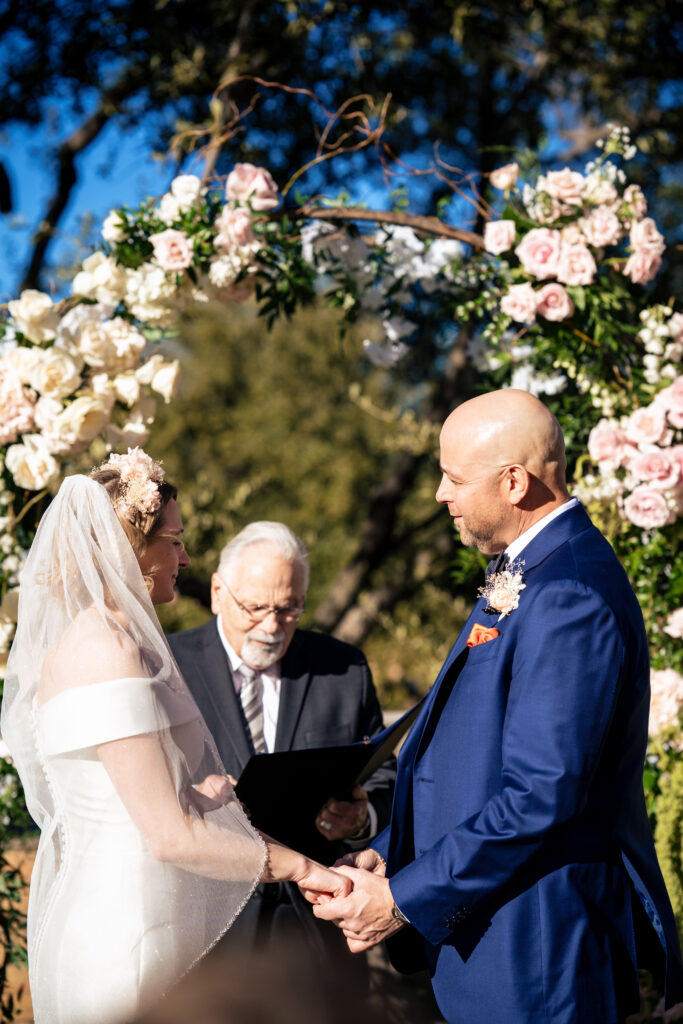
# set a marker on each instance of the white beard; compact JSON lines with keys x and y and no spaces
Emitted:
{"x":255,"y":652}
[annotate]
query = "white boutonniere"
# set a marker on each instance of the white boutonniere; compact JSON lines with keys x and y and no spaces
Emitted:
{"x":502,"y":590}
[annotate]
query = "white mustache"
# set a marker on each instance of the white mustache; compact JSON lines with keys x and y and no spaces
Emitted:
{"x":272,"y":639}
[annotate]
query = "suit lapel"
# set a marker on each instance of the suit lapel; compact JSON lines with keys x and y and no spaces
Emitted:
{"x":224,"y":702}
{"x":296,"y":679}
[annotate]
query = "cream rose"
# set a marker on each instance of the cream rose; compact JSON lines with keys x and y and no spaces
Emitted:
{"x":114,"y":228}
{"x":56,"y":374}
{"x":47,"y":411}
{"x":233,"y":228}
{"x":172,"y":250}
{"x":127,"y":388}
{"x":674,"y":624}
{"x":504,"y":177}
{"x":77,"y":425}
{"x":31,"y":464}
{"x":21,"y":361}
{"x":520,"y":303}
{"x":165,"y":380}
{"x":601,"y":227}
{"x":34,"y":315}
{"x":111,"y":345}
{"x":187,"y":189}
{"x":566,"y":185}
{"x":666,"y":687}
{"x":539,"y":252}
{"x":599,"y":189}
{"x":576,"y":265}
{"x":249,"y":183}
{"x":499,"y":236}
{"x":101,"y":278}
{"x":553,"y":302}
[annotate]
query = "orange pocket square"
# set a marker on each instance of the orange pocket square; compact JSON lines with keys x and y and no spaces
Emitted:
{"x":481,"y":635}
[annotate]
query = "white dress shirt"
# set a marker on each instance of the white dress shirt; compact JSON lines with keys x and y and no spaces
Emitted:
{"x":515,"y":549}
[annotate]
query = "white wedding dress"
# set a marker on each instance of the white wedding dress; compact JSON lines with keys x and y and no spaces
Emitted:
{"x":113,"y":923}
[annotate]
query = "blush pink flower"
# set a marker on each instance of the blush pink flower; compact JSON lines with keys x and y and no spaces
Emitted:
{"x":539,"y":252}
{"x":635,"y":200}
{"x":172,"y":249}
{"x":17,"y":407}
{"x":576,"y":265}
{"x":657,"y":466}
{"x":671,"y":401}
{"x":567,"y":186}
{"x":504,"y":177}
{"x":553,"y":302}
{"x":647,"y":507}
{"x":666,"y":687}
{"x":520,"y":303}
{"x":234,"y":228}
{"x":642,"y":266}
{"x":248,"y":182}
{"x":499,"y":236}
{"x":674,"y":624}
{"x":601,"y":227}
{"x":647,"y":425}
{"x":645,"y":235}
{"x":606,"y":443}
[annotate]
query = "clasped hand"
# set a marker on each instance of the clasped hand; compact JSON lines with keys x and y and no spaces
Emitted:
{"x":364,"y":914}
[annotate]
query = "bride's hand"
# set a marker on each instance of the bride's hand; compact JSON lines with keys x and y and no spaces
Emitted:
{"x":320,"y":885}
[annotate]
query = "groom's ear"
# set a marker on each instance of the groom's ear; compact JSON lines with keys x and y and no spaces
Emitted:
{"x":517,"y":482}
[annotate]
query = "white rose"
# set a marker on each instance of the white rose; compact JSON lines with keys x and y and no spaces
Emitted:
{"x":132,"y":434}
{"x":187,"y":189}
{"x":56,"y":375}
{"x":34,"y":315}
{"x":504,"y":177}
{"x":145,"y":372}
{"x":165,"y":380}
{"x":31,"y":463}
{"x":101,"y":278}
{"x":127,"y":341}
{"x":77,"y":425}
{"x":114,"y":227}
{"x":47,"y":411}
{"x":22,"y":361}
{"x":72,"y":323}
{"x":169,"y":209}
{"x":95,"y":345}
{"x":102,"y":387}
{"x":127,"y":388}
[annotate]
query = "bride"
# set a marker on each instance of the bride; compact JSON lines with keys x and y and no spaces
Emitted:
{"x":145,"y":856}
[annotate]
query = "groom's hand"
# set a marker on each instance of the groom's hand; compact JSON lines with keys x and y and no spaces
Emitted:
{"x":365,"y":915}
{"x":368,"y":860}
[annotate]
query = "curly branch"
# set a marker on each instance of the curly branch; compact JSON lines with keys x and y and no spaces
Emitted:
{"x":429,"y":225}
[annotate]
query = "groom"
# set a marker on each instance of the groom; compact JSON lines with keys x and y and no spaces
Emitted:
{"x":519,"y":858}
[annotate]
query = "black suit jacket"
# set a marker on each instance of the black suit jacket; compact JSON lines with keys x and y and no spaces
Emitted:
{"x":327,"y":698}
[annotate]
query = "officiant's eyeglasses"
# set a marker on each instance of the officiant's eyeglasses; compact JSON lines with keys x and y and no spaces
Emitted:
{"x":259,"y":612}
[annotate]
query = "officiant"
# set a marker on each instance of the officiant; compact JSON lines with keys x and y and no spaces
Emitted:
{"x":263,"y":685}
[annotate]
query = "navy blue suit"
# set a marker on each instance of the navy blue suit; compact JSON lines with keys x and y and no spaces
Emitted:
{"x":519,"y":842}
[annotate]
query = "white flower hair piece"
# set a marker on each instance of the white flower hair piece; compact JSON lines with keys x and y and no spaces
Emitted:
{"x":502,"y":590}
{"x":141,"y":477}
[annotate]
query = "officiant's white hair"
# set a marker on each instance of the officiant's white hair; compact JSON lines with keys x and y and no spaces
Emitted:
{"x":284,"y":540}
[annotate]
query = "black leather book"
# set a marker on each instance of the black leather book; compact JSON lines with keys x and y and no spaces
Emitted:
{"x":283,"y":792}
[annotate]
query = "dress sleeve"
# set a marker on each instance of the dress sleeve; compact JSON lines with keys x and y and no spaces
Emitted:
{"x":85,"y":716}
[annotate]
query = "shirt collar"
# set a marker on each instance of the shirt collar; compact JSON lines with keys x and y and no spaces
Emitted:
{"x":514,"y":550}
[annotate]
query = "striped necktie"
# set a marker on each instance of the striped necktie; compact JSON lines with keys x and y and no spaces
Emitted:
{"x":497,"y":564}
{"x":252,"y":706}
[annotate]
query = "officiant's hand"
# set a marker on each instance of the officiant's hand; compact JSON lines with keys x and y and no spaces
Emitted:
{"x":365,"y":915}
{"x":343,"y":819}
{"x":368,"y":859}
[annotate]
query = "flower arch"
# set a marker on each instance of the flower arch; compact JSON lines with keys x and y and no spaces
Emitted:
{"x":552,"y":297}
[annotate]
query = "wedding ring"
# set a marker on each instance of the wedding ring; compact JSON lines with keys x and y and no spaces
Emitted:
{"x":325,"y":824}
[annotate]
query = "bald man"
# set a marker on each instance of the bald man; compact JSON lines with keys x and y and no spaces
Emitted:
{"x":519,"y":859}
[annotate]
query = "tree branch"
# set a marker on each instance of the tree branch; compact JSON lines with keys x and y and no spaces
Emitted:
{"x":428,"y":225}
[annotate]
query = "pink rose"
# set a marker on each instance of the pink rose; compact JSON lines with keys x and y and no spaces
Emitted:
{"x":635,"y":200}
{"x":17,"y":407}
{"x":576,"y":265}
{"x":539,"y":251}
{"x":605,"y":443}
{"x":504,"y":177}
{"x":647,"y":507}
{"x":247,"y":182}
{"x":172,"y":249}
{"x":553,"y":302}
{"x":642,"y":266}
{"x":234,"y":228}
{"x":671,"y":401}
{"x":601,"y":227}
{"x":647,"y":425}
{"x":644,"y":235}
{"x":499,"y":236}
{"x":520,"y":303}
{"x":657,"y":466}
{"x":566,"y":185}
{"x":676,"y":452}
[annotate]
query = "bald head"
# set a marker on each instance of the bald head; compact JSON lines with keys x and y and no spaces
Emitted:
{"x":508,"y":427}
{"x":504,"y":465}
